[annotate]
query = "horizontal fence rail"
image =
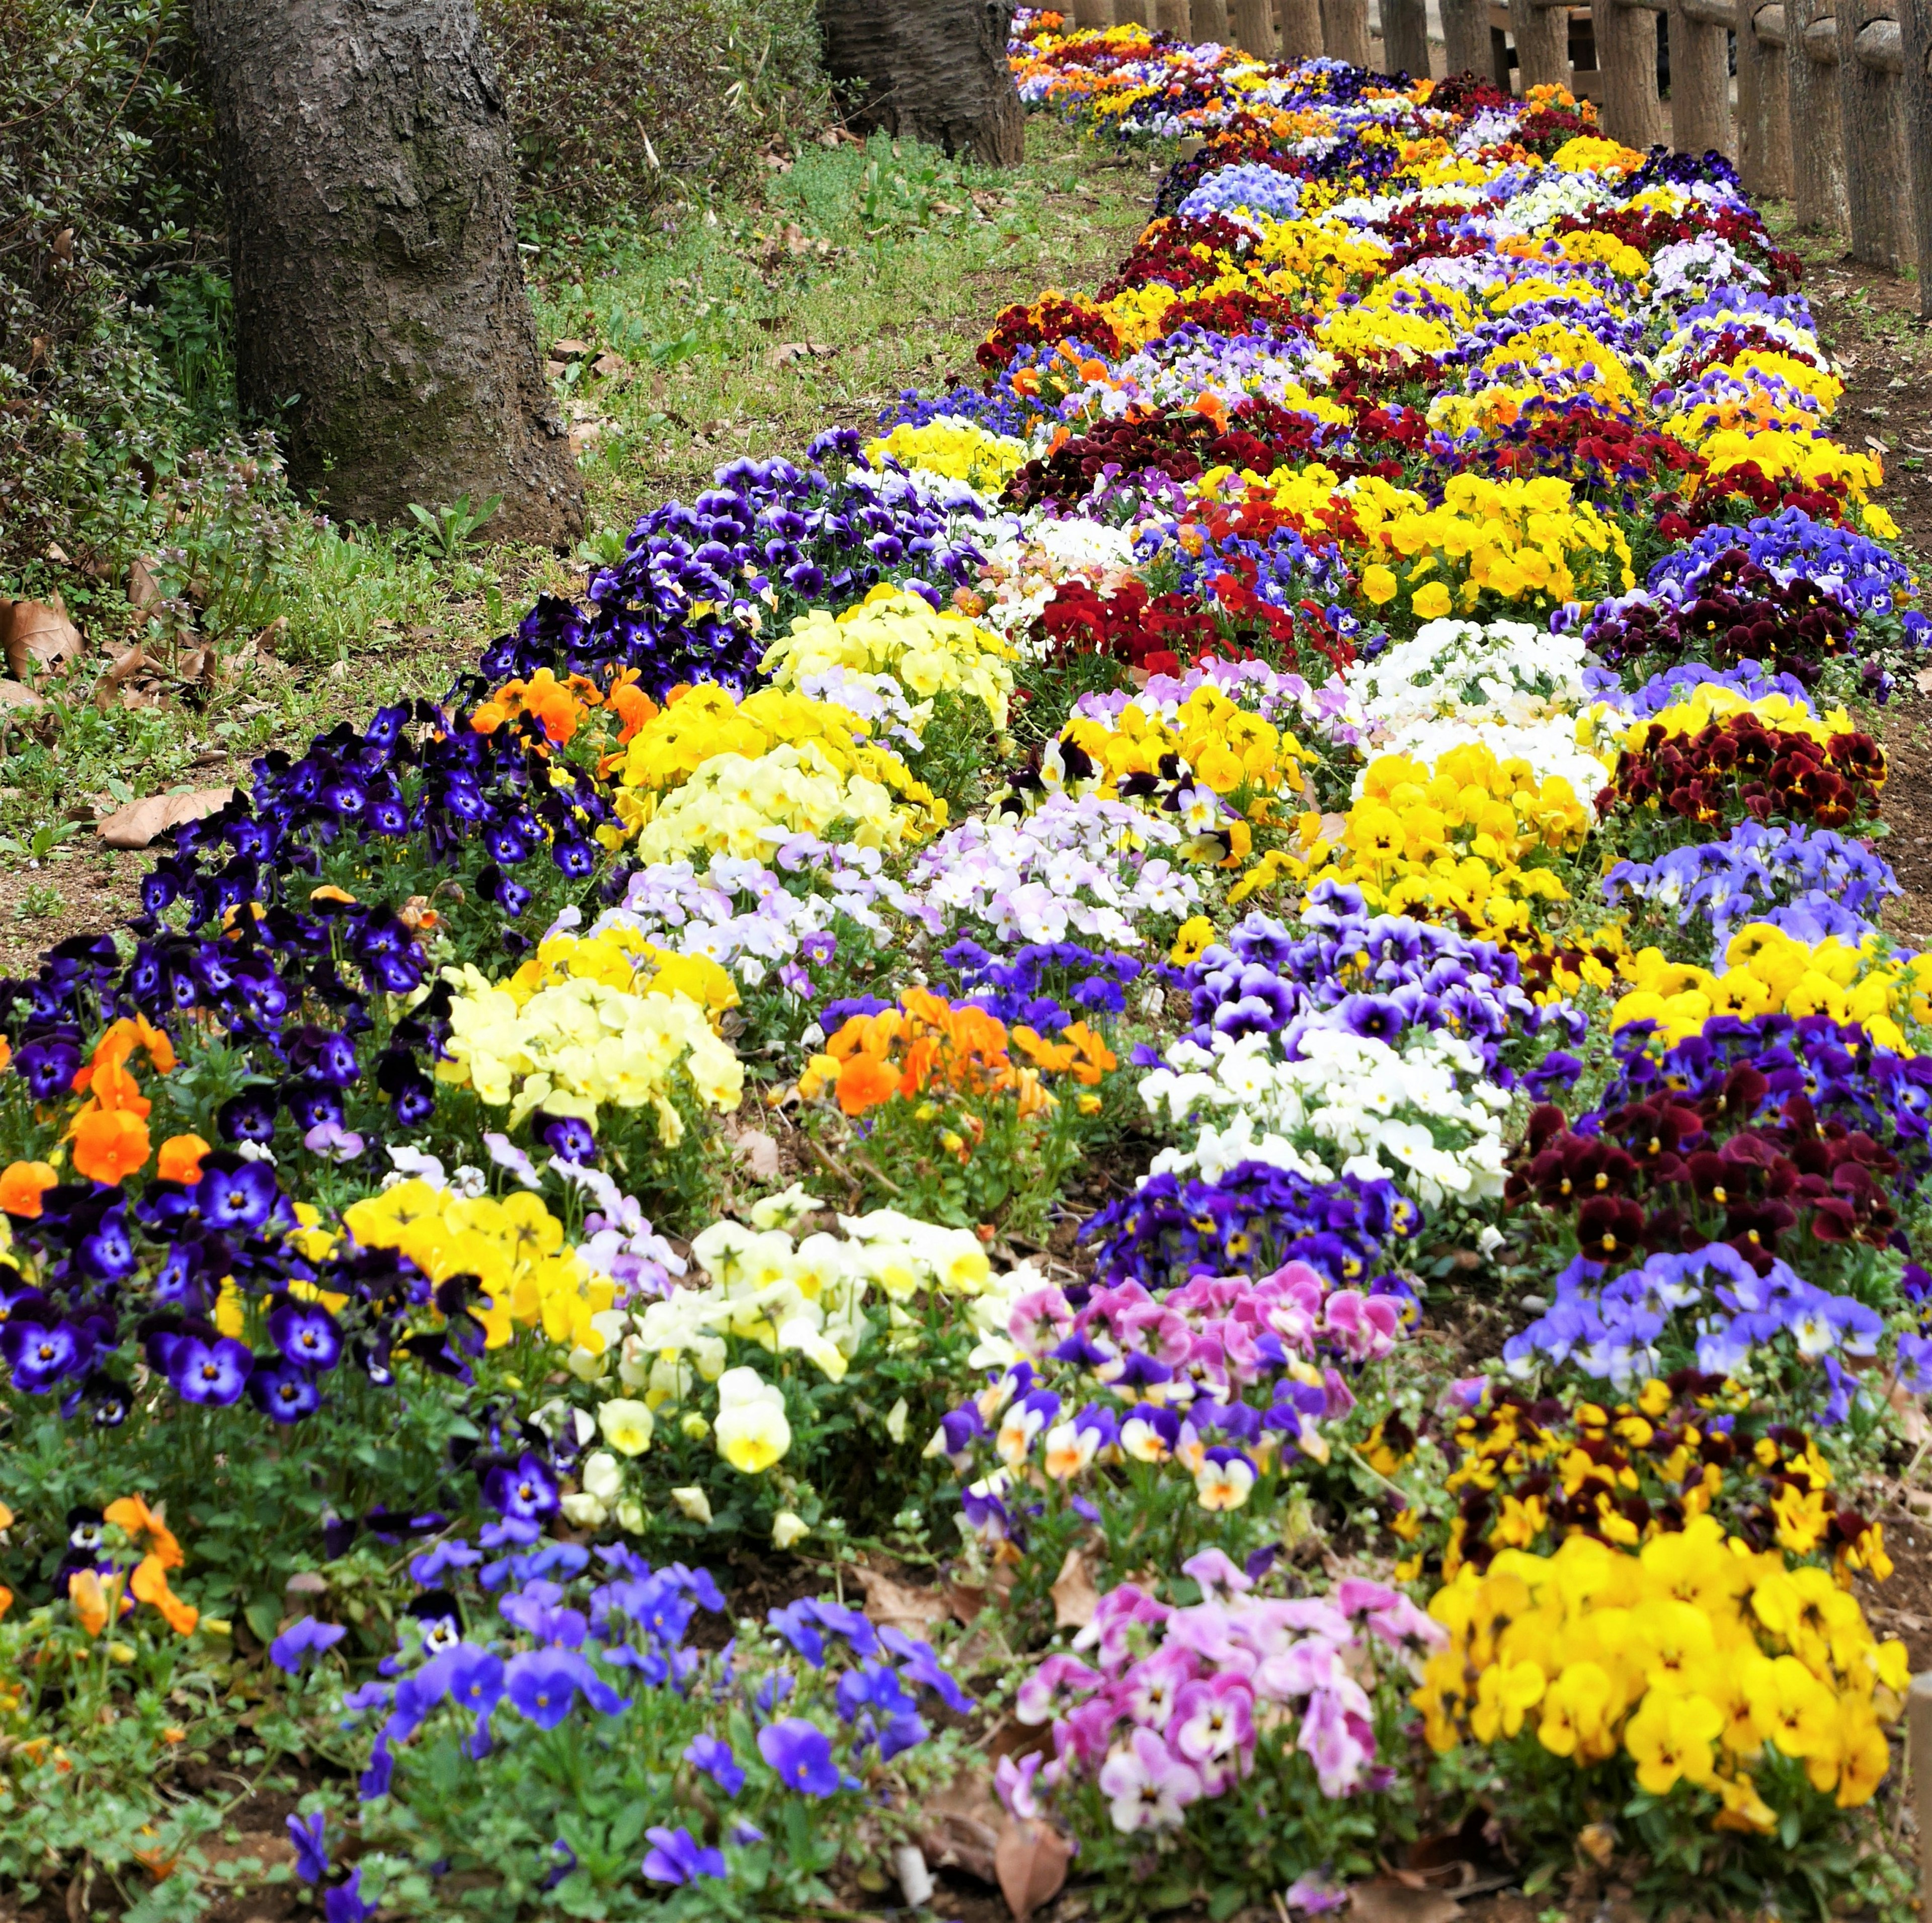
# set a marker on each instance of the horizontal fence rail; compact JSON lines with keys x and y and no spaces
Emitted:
{"x":1833,"y":98}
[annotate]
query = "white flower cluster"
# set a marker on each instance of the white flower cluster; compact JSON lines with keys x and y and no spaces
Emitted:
{"x":1424,"y":1116}
{"x":1073,"y":866}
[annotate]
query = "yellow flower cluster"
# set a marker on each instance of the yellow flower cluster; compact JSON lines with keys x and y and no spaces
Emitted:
{"x":579,"y":1045}
{"x":961,"y":449}
{"x":1767,"y":971}
{"x":1516,"y":540}
{"x":1691,"y":1657}
{"x":1589,"y":154}
{"x":1220,"y":744}
{"x":898,"y":634}
{"x":528,"y":1275}
{"x":621,"y":958}
{"x":753,"y":770}
{"x":1386,"y":321}
{"x":1442,"y":844}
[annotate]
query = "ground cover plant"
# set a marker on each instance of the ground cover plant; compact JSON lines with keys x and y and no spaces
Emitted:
{"x":1151,"y":1123}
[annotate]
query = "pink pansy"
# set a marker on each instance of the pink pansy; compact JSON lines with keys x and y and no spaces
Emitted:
{"x":1148,"y":1787}
{"x":1051,"y":1688}
{"x":1219,"y":1578}
{"x":1341,"y":1397}
{"x":1328,"y":1740}
{"x":1365,"y":1326}
{"x":1039,"y":1319}
{"x":1014,"y":1783}
{"x":1152,"y":1686}
{"x":1212,"y":1719}
{"x":1314,"y":1894}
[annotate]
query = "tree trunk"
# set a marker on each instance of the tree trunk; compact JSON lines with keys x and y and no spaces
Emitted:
{"x":381,"y":321}
{"x":933,"y":70}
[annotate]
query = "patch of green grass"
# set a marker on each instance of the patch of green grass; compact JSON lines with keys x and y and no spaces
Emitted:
{"x":860,"y":272}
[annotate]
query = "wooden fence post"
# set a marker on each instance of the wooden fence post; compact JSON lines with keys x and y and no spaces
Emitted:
{"x":1175,"y":17}
{"x":1091,"y":15}
{"x":1916,"y":20}
{"x":1626,"y":36}
{"x":1254,"y":28}
{"x":1817,"y":142}
{"x":1208,"y":23}
{"x":1700,"y":82}
{"x":1301,"y":29}
{"x":1405,"y":37}
{"x":1764,"y":100}
{"x":1878,"y":168}
{"x":1466,"y":34}
{"x":1345,"y":31}
{"x":1542,"y":31}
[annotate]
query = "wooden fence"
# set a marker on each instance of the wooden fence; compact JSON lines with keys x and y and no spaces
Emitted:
{"x":1833,"y":108}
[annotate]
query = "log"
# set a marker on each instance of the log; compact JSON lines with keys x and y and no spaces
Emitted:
{"x":934,"y":71}
{"x":1093,"y":15}
{"x":1300,"y":23}
{"x":1209,"y":22}
{"x":1871,"y":108}
{"x":1817,"y":148}
{"x":1131,"y":13}
{"x":1915,"y":76}
{"x":1345,"y":31}
{"x":1175,"y":17}
{"x":1466,"y":34}
{"x":380,"y":316}
{"x":1405,"y":37}
{"x":1764,"y":102}
{"x":1626,"y":39}
{"x":1542,"y":43}
{"x":1254,"y":28}
{"x":1700,"y":84}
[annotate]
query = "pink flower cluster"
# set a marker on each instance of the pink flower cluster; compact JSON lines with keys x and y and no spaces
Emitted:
{"x":1214,"y":1333}
{"x":1175,"y":1701}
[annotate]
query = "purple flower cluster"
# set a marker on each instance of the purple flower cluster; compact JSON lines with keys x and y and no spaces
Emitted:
{"x":1863,"y":577}
{"x":1711,"y":1310}
{"x":1838,"y":885}
{"x":1375,"y":975}
{"x":1046,"y":985}
{"x":1255,"y":1219}
{"x":104,"y":1280}
{"x":694,"y":594}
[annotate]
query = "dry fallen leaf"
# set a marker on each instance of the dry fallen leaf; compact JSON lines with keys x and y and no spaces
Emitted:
{"x":143,"y":590}
{"x":1031,"y":1860}
{"x":963,"y":1822}
{"x":137,"y":824}
{"x":38,"y":634}
{"x":759,"y":1152}
{"x":1911,"y":1413}
{"x":570,"y":350}
{"x":23,"y":700}
{"x":1922,"y":681}
{"x":787,"y":351}
{"x":1384,"y":1899}
{"x":899,"y":1605}
{"x":1597,"y":1841}
{"x":606,"y":365}
{"x":1075,"y":1598}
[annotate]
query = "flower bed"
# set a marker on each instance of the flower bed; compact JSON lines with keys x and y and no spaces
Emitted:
{"x":1218,"y":1006}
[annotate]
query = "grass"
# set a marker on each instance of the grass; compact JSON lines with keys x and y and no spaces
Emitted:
{"x":858,"y":272}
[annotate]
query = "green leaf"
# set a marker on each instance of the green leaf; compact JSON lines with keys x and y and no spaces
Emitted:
{"x":262,"y":1614}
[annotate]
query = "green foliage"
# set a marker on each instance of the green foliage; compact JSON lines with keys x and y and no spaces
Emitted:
{"x":620,"y":108}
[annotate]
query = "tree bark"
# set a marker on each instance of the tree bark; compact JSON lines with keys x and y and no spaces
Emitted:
{"x":381,"y":323}
{"x":934,"y":71}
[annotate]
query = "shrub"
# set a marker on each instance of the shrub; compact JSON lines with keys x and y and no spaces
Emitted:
{"x":615,"y":102}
